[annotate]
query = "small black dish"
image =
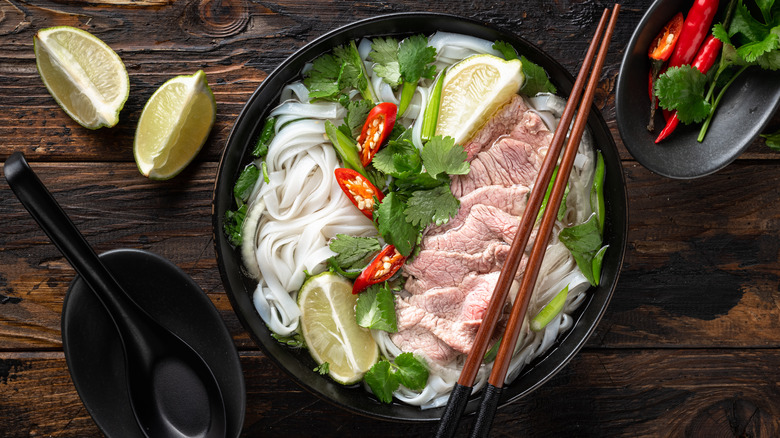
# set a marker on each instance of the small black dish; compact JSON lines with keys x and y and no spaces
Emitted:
{"x":93,"y":350}
{"x":745,"y":110}
{"x":297,"y":362}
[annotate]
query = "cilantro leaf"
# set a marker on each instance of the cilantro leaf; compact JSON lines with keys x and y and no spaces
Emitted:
{"x":414,"y":57}
{"x":354,"y":252}
{"x":376,"y":309}
{"x":536,"y":79}
{"x":384,"y":52}
{"x":233,"y":222}
{"x":266,"y":135}
{"x":294,"y":341}
{"x":743,"y":23}
{"x":772,"y":140}
{"x":323,"y":368}
{"x":332,"y":74}
{"x":584,"y":242}
{"x":382,"y":381}
{"x":411,"y":372}
{"x":357,"y":111}
{"x":393,"y":226}
{"x":399,"y":158}
{"x":245,"y":183}
{"x":683,"y":89}
{"x":436,"y":206}
{"x":507,"y":50}
{"x":441,"y":155}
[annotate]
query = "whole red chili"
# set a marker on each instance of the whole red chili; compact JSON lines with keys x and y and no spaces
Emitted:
{"x":704,"y":60}
{"x":379,"y":124}
{"x":695,"y":30}
{"x":359,"y":190}
{"x":384,"y":265}
{"x":660,"y":50}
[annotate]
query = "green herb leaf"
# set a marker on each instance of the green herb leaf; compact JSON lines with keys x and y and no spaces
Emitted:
{"x":411,"y":372}
{"x":597,"y":202}
{"x":376,"y":309}
{"x":357,"y":111}
{"x":772,"y":140}
{"x":384,"y":52}
{"x":323,"y":368}
{"x":436,"y":206}
{"x":382,"y":381}
{"x":507,"y":50}
{"x":399,"y":159}
{"x":293,"y":341}
{"x":584,"y":242}
{"x":683,"y":89}
{"x":323,"y":78}
{"x":354,"y":252}
{"x":333,"y":74}
{"x":393,"y":226}
{"x":232,"y":224}
{"x":442,"y":156}
{"x":266,"y":135}
{"x":536,"y":79}
{"x":245,"y":183}
{"x":415,"y":58}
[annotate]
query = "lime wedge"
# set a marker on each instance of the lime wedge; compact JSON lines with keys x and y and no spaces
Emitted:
{"x":329,"y":328}
{"x":473,"y":90}
{"x":83,"y":74}
{"x":174,"y":125}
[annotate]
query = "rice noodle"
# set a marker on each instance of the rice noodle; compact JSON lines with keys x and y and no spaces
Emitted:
{"x":292,"y":217}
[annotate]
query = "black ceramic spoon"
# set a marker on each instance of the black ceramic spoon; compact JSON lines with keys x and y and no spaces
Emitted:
{"x":173,"y":392}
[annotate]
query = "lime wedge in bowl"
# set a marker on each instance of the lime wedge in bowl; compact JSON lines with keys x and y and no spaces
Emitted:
{"x":174,"y":125}
{"x":474,"y":89}
{"x":86,"y":78}
{"x":330,"y":330}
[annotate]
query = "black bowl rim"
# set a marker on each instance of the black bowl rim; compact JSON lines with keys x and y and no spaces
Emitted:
{"x":617,"y":221}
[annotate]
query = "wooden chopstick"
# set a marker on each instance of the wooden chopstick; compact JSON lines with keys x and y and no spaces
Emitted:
{"x":509,"y":340}
{"x":462,"y":390}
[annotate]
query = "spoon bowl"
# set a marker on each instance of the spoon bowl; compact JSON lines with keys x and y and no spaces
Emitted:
{"x":172,"y":390}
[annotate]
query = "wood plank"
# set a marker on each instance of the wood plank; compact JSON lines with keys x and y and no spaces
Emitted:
{"x":701,"y":266}
{"x":621,"y":393}
{"x":238,"y":45}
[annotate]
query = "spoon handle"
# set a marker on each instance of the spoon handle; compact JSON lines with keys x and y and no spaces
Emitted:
{"x":64,"y":234}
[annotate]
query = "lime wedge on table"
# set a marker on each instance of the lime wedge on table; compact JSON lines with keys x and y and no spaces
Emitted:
{"x":329,"y":328}
{"x":83,"y":74}
{"x":174,"y":125}
{"x":473,"y":90}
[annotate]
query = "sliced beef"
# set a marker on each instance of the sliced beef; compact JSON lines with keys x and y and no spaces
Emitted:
{"x":482,"y":225}
{"x":512,"y":200}
{"x":458,"y":334}
{"x":508,"y":162}
{"x":439,"y":268}
{"x":419,"y":340}
{"x":502,"y":123}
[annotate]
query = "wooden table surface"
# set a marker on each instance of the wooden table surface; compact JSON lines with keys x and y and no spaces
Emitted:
{"x":688,"y":347}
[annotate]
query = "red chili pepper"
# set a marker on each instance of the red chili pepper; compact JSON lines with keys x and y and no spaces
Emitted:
{"x":705,"y":59}
{"x":379,"y":124}
{"x":384,"y":265}
{"x":695,"y":29}
{"x":660,"y":50}
{"x":358,"y":189}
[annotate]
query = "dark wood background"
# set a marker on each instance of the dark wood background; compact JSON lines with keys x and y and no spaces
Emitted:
{"x":688,"y":346}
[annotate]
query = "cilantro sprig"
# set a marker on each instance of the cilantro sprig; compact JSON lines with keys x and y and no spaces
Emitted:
{"x":333,"y":74}
{"x":751,"y":37}
{"x":419,"y":191}
{"x":385,"y":377}
{"x":404,"y":64}
{"x":536,"y":78}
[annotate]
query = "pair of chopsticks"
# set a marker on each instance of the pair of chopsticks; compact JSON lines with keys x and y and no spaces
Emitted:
{"x":460,"y":393}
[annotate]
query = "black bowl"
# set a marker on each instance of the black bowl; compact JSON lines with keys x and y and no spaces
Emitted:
{"x":298,"y":364}
{"x":746,"y":108}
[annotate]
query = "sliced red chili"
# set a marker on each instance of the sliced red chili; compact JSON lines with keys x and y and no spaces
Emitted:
{"x":384,"y":265}
{"x":359,"y":190}
{"x":660,"y":50}
{"x":663,"y":45}
{"x":379,"y":124}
